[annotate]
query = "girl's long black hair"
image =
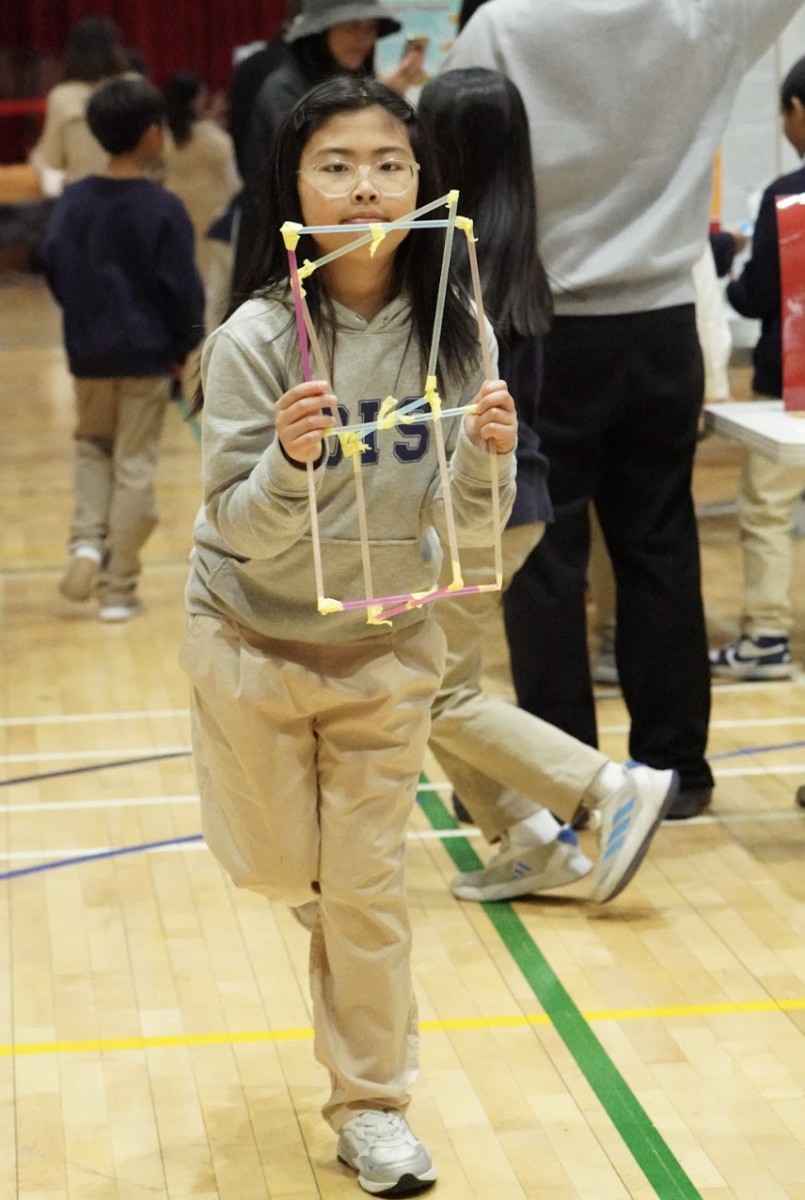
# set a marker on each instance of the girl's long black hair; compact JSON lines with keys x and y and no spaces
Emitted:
{"x":478,"y":121}
{"x":181,"y":92}
{"x":418,"y":259}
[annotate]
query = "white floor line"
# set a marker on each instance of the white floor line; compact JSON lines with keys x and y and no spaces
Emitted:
{"x":193,"y":847}
{"x":87,"y":805}
{"x":756,"y":723}
{"x":158,"y":714}
{"x":141,"y":802}
{"x":112,"y":754}
{"x":747,"y":772}
{"x":164,"y":714}
{"x":793,"y":814}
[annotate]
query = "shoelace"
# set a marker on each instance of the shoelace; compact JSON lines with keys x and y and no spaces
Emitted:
{"x":389,"y":1125}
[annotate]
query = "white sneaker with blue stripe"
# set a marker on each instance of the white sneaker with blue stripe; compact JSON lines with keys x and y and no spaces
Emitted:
{"x":518,"y":870}
{"x":629,"y":817}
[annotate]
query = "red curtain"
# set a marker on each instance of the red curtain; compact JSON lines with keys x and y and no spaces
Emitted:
{"x":172,"y":35}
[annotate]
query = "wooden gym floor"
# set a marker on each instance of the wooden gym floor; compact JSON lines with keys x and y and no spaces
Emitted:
{"x":154,"y":1023}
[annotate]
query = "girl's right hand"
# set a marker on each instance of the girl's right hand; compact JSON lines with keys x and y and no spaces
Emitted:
{"x":302,"y":414}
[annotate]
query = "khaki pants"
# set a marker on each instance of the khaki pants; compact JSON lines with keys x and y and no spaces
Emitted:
{"x":767,"y":493}
{"x":308,"y":759}
{"x":500,"y":759}
{"x":117,"y":439}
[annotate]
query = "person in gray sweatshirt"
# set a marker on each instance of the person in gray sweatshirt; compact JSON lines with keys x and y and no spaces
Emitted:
{"x":310,"y":727}
{"x":627,"y":102}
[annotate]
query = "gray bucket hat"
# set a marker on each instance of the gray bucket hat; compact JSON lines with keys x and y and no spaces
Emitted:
{"x":318,"y":15}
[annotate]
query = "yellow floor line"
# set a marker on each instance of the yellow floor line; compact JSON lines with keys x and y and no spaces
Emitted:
{"x":451,"y":1025}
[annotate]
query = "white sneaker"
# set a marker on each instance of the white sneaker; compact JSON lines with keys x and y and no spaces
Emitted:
{"x":518,"y":870}
{"x":120,"y":612}
{"x":80,"y":578}
{"x":630,"y":816}
{"x":389,"y":1160}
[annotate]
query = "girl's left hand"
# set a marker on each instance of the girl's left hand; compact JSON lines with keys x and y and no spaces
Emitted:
{"x":494,"y":421}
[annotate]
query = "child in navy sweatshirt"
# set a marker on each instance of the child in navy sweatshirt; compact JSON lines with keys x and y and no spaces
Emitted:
{"x":120,"y":262}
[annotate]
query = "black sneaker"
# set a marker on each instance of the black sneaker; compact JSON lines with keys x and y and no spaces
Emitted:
{"x":752,"y":658}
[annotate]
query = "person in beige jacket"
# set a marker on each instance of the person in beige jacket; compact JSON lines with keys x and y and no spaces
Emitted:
{"x":200,"y":163}
{"x":67,"y":150}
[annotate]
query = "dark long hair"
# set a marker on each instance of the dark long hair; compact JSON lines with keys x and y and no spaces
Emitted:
{"x":94,"y":51}
{"x":180,"y":92}
{"x":312,"y":53}
{"x":478,"y":122}
{"x":417,"y":260}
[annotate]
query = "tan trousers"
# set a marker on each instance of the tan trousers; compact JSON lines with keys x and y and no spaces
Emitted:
{"x":117,"y":440}
{"x":308,"y":759}
{"x":502,"y":761}
{"x":767,"y":493}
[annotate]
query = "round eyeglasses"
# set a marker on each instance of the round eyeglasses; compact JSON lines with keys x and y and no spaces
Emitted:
{"x":390,"y":177}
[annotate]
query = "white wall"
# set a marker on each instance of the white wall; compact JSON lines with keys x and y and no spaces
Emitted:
{"x":754,"y":149}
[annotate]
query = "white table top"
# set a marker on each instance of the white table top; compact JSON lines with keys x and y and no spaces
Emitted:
{"x":760,"y":425}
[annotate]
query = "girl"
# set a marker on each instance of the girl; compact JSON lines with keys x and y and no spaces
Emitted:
{"x":67,"y":150}
{"x":200,"y":164}
{"x":309,"y":731}
{"x":500,"y":758}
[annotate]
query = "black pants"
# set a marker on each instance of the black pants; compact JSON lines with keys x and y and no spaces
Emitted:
{"x":618,"y":417}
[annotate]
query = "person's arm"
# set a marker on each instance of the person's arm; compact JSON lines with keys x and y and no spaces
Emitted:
{"x":756,"y":293}
{"x":48,"y":155}
{"x":179,"y":281}
{"x":254,"y":496}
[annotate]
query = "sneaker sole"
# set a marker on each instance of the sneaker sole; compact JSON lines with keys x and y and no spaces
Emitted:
{"x":115,"y":613}
{"x":514,"y":888}
{"x":406,"y":1185}
{"x":640,"y":853}
{"x":753,"y":674}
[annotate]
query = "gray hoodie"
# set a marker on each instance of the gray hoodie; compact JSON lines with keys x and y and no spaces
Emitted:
{"x":627,"y":102}
{"x":252,"y":560}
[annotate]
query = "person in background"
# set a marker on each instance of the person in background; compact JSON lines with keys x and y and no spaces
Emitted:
{"x":119,"y":260}
{"x":767,"y":490}
{"x":247,"y":78}
{"x":501,"y":760}
{"x":715,"y":339}
{"x":625,"y":198}
{"x":67,"y":149}
{"x":325,"y":38}
{"x":200,"y":164}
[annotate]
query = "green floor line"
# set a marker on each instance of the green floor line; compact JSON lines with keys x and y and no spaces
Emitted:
{"x":628,"y":1116}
